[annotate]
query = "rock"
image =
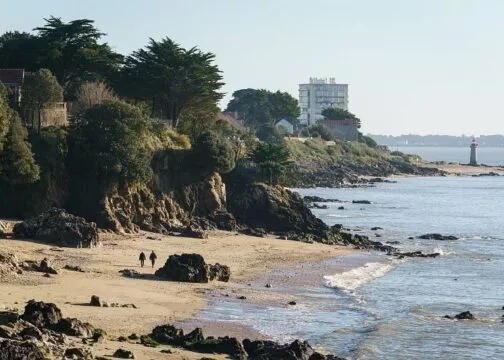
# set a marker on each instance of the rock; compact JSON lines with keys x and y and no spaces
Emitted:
{"x":22,"y":350}
{"x":219,"y":272}
{"x":437,"y":237}
{"x":78,"y":354}
{"x":341,"y":208}
{"x":168,"y":335}
{"x":366,"y":202}
{"x":129,"y":306}
{"x":292,"y":303}
{"x":319,"y":356}
{"x":222,"y":345}
{"x":130,"y":273}
{"x":273,"y":208}
{"x":123,"y":354}
{"x":312,"y":199}
{"x":376,"y":228}
{"x":59,"y":227}
{"x":224,"y":220}
{"x":192,"y":232}
{"x":45,"y":266}
{"x":415,"y":254}
{"x":73,"y":327}
{"x":466,"y":315}
{"x":73,"y":268}
{"x":133,"y":337}
{"x":242,"y":297}
{"x":95,"y":301}
{"x":268,"y":285}
{"x":392,"y":242}
{"x":46,"y":275}
{"x":257,"y":232}
{"x":267,"y":350}
{"x":192,"y":268}
{"x":7,"y":317}
{"x":122,"y":339}
{"x":42,"y":314}
{"x":194,"y":336}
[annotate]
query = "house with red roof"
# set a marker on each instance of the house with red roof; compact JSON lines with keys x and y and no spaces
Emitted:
{"x":13,"y":80}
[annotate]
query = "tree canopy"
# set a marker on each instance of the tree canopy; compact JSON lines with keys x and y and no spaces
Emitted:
{"x":263,"y":107}
{"x":337,"y":114}
{"x":171,"y":78}
{"x":108,"y":145}
{"x":273,"y":160}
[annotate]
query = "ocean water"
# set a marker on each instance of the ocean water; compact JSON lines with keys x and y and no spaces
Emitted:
{"x":485,"y":155}
{"x":384,"y":308}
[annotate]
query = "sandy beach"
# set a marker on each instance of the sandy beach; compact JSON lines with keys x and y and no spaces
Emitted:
{"x":158,"y":302}
{"x":460,"y":169}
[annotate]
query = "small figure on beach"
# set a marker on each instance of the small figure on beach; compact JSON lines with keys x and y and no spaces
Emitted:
{"x":153,"y":257}
{"x":142,"y":258}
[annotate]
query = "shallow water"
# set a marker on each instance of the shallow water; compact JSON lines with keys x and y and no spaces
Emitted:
{"x":388,"y":309}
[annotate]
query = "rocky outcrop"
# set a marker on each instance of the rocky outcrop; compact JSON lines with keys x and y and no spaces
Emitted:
{"x":164,"y":208}
{"x":22,"y":350}
{"x":274,"y":209}
{"x":437,"y":237}
{"x":192,"y":268}
{"x":59,"y":227}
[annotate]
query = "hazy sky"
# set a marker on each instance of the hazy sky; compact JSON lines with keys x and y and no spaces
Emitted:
{"x":425,"y":67}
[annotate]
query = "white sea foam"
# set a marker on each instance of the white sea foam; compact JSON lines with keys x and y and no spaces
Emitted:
{"x":351,"y":280}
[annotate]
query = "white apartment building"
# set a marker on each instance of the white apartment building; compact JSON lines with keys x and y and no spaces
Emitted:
{"x":318,"y":95}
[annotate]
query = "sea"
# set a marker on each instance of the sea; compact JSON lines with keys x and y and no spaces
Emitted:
{"x":493,"y":156}
{"x":385,"y":308}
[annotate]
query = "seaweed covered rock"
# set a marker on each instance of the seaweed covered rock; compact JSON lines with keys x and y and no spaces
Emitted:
{"x":269,"y":350}
{"x":192,"y":268}
{"x":59,"y":227}
{"x":273,"y":208}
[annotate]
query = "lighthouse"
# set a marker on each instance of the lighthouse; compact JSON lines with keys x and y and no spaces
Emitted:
{"x":474,"y":145}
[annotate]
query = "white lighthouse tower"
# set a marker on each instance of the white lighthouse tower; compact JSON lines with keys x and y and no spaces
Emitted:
{"x":474,"y":145}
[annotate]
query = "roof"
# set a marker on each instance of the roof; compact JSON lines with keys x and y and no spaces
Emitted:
{"x":12,"y":76}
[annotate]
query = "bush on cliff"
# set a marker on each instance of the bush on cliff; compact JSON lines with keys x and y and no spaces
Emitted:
{"x":107,"y":145}
{"x":212,"y":153}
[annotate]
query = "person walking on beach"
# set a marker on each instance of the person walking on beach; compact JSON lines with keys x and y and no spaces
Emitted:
{"x":153,"y":258}
{"x":142,"y":259}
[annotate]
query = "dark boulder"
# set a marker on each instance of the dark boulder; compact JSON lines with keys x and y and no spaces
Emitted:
{"x":437,"y":237}
{"x":401,"y":255}
{"x":192,"y":268}
{"x":273,"y":208}
{"x":224,"y":220}
{"x":95,"y":301}
{"x":41,"y":314}
{"x":222,"y":345}
{"x":168,"y":335}
{"x":21,"y":350}
{"x":73,"y":327}
{"x":59,"y":227}
{"x":123,"y":354}
{"x":78,"y":354}
{"x":312,"y":199}
{"x":365,"y":202}
{"x":466,"y":315}
{"x":269,"y":350}
{"x":7,"y":317}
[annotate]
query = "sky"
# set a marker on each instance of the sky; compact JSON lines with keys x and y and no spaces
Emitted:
{"x":419,"y":67}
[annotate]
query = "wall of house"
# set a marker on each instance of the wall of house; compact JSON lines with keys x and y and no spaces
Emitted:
{"x":52,"y":115}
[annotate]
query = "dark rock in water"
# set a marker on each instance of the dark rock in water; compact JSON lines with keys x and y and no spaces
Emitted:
{"x":313,"y":199}
{"x":42,"y":314}
{"x":192,"y":268}
{"x":341,"y":208}
{"x":437,"y":237}
{"x":95,"y":301}
{"x":123,"y":354}
{"x":292,"y":303}
{"x":268,"y":285}
{"x":242,"y":297}
{"x":378,"y":235}
{"x":411,"y":238}
{"x":319,"y":356}
{"x":491,"y":173}
{"x":267,"y":350}
{"x":273,"y":208}
{"x":415,"y":254}
{"x":73,"y":327}
{"x":317,"y":206}
{"x":392,"y":242}
{"x":466,"y":315}
{"x":59,"y":227}
{"x":21,"y":350}
{"x":366,"y":202}
{"x":376,"y":228}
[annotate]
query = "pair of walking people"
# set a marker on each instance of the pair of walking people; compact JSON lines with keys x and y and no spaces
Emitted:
{"x":152,"y":258}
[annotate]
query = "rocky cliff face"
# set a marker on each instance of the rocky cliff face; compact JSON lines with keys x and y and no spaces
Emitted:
{"x":144,"y":208}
